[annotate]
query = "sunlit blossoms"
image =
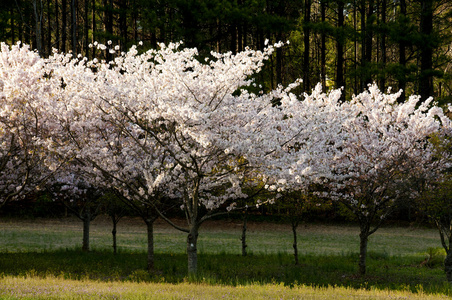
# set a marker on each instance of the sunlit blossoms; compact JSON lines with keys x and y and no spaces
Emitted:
{"x":165,"y":125}
{"x":23,"y":120}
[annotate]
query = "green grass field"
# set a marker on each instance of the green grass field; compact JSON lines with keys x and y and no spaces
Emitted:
{"x":45,"y":254}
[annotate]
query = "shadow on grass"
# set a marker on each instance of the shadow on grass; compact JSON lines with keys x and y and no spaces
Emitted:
{"x":384,"y":272}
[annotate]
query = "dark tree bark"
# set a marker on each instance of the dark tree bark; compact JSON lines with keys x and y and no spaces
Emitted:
{"x":49,"y":28}
{"x":192,"y":251}
{"x":294,"y":224}
{"x":57,"y":25}
{"x":86,"y":28}
{"x":20,"y":29}
{"x":362,"y":11}
{"x":93,"y":26}
{"x":135,"y":21}
{"x":74,"y":26}
{"x":340,"y":40}
{"x":426,"y":29}
{"x":367,"y":37}
{"x":13,"y":25}
{"x":323,"y":46}
{"x":382,"y":83}
{"x":63,"y":25}
{"x":123,"y":23}
{"x":108,"y":16}
{"x":113,"y":233}
{"x":363,"y":240}
{"x":150,"y":233}
{"x":279,"y":11}
{"x":240,"y":30}
{"x":443,"y":223}
{"x":402,"y":54}
{"x":306,"y":42}
{"x":244,"y":228}
{"x":37,"y":11}
{"x":369,"y":34}
{"x":448,"y":266}
{"x":86,"y":218}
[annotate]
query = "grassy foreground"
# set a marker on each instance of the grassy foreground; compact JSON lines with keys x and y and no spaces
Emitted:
{"x":57,"y":288}
{"x":42,"y":260}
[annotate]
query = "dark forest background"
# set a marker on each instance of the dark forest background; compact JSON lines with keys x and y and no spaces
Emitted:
{"x":403,"y":44}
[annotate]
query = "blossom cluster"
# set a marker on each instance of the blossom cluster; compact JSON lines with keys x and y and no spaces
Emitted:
{"x":166,"y":124}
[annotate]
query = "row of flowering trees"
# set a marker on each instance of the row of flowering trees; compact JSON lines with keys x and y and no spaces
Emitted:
{"x":164,"y":128}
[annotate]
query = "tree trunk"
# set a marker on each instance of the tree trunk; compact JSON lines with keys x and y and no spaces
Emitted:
{"x":113,"y":233}
{"x":402,"y":55}
{"x":74,"y":26}
{"x":57,"y":26}
{"x":340,"y":47}
{"x":38,"y":26}
{"x":108,"y":24}
{"x":49,"y":28}
{"x":86,"y":29}
{"x":150,"y":232}
{"x":93,"y":26}
{"x":243,"y":238}
{"x":123,"y":24}
{"x":366,"y":42}
{"x":323,"y":47}
{"x":448,"y":266}
{"x":295,"y":243}
{"x":306,"y":40}
{"x":426,"y":29}
{"x":192,"y":253}
{"x":363,"y":239}
{"x":86,"y":223}
{"x":362,"y":12}
{"x":63,"y":25}
{"x":13,"y":27}
{"x":369,"y":44}
{"x":382,"y":84}
{"x":135,"y":21}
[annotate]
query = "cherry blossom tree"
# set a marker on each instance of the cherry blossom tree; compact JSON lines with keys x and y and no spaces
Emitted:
{"x":23,"y":121}
{"x":308,"y":134}
{"x":435,"y":197}
{"x":165,"y":128}
{"x":385,"y":148}
{"x":72,"y":188}
{"x":165,"y":125}
{"x":367,"y":153}
{"x":107,"y":148}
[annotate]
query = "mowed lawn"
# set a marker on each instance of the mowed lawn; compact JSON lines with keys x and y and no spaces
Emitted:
{"x":215,"y":237}
{"x":40,"y":259}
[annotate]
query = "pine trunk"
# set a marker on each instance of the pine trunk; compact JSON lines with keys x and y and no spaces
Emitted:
{"x":426,"y":29}
{"x":402,"y":56}
{"x":57,"y":25}
{"x":63,"y":25}
{"x":38,"y":26}
{"x":382,"y":83}
{"x":323,"y":46}
{"x":340,"y":47}
{"x":74,"y":26}
{"x":306,"y":42}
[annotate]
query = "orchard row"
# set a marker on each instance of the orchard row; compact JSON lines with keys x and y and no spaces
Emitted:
{"x":163,"y":128}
